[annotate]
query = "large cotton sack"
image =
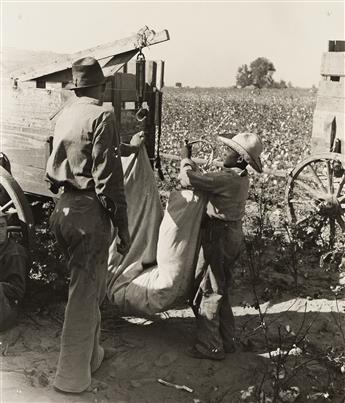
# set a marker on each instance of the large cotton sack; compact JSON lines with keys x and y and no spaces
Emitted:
{"x":163,"y":286}
{"x":144,"y":217}
{"x":134,"y":290}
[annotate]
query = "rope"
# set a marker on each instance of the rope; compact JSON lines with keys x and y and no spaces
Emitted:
{"x":144,"y":36}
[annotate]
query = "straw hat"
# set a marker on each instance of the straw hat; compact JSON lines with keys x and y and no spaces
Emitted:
{"x":248,"y":145}
{"x":86,"y":72}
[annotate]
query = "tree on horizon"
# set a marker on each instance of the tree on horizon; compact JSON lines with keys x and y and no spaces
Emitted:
{"x":259,"y":74}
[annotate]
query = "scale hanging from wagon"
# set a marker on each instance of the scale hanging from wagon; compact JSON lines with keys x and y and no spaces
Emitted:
{"x":140,"y":74}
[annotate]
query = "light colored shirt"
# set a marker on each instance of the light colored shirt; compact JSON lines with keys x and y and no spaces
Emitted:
{"x":227,"y":190}
{"x":86,"y":154}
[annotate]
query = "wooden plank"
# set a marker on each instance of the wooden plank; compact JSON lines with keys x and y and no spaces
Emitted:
{"x":24,"y":150}
{"x":32,"y":107}
{"x":150,"y":70}
{"x":333,"y":89}
{"x":28,"y":84}
{"x":116,"y":100}
{"x":61,"y":76}
{"x":319,"y":145}
{"x":160,"y":74}
{"x":126,"y":84}
{"x":39,"y":134}
{"x":99,"y":52}
{"x":51,"y":85}
{"x":333,"y":64}
{"x":37,"y":125}
{"x":131,"y":68}
{"x":336,"y":46}
{"x":330,"y":104}
{"x":117,"y":62}
{"x":31,"y":180}
{"x":150,"y":73}
{"x":322,"y":122}
{"x":32,"y":99}
{"x":322,"y":130}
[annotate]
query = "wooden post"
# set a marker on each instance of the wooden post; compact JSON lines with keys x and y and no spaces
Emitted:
{"x":116,"y":100}
{"x":160,"y":74}
{"x":336,"y":46}
{"x":329,"y":115}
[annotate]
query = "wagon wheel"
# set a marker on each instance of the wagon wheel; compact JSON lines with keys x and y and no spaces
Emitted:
{"x":14,"y":203}
{"x":315,"y":196}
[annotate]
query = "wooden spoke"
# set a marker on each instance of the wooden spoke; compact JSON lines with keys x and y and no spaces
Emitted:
{"x":311,"y":183}
{"x":341,"y":199}
{"x":329,"y":177}
{"x":310,"y":216}
{"x":15,"y":228}
{"x":318,"y":180}
{"x":7,"y":205}
{"x":340,"y":186}
{"x":312,"y":192}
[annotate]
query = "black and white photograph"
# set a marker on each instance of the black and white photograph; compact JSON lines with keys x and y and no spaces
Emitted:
{"x":172,"y":201}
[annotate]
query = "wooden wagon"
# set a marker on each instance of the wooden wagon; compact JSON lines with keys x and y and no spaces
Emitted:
{"x":315,"y":195}
{"x":34,"y":96}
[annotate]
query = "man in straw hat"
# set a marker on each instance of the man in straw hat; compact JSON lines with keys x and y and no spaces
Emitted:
{"x":13,"y":272}
{"x":221,"y":241}
{"x":85,"y":162}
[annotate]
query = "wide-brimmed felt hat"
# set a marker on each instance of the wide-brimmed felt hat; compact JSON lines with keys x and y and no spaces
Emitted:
{"x":248,"y":145}
{"x":86,"y":72}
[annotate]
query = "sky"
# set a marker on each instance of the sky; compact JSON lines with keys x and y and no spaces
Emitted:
{"x":208,"y":40}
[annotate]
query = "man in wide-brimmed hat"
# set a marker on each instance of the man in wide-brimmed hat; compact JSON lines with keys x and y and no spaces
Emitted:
{"x":221,"y":241}
{"x":85,"y":162}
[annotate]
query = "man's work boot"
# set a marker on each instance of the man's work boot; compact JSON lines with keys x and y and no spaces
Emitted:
{"x":201,"y":352}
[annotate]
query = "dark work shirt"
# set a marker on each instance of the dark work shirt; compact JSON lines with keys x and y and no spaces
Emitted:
{"x":13,"y":269}
{"x":86,"y":154}
{"x":227,"y":189}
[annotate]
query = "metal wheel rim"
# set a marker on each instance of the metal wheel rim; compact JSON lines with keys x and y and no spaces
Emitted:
{"x":18,"y":206}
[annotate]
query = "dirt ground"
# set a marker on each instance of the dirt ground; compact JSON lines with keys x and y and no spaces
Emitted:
{"x":149,"y":350}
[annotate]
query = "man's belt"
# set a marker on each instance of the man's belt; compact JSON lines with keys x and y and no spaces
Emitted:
{"x":218,"y":222}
